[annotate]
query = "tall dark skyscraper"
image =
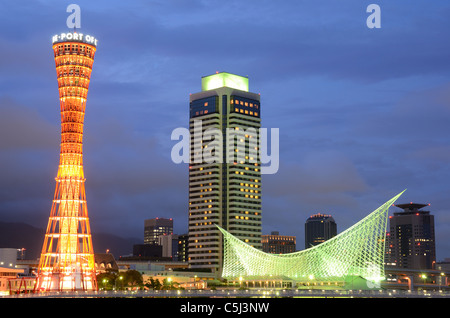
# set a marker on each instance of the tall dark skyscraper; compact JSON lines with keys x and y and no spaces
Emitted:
{"x":411,"y":237}
{"x":224,"y":170}
{"x":319,"y":228}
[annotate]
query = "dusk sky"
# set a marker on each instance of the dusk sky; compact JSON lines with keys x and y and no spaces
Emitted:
{"x":363,"y":113}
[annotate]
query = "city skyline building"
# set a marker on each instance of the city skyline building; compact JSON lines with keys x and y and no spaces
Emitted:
{"x":224,"y":169}
{"x":274,"y":243}
{"x":155,"y":227}
{"x":67,"y":258}
{"x":183,"y":251}
{"x":169,"y":244}
{"x":412,"y":238}
{"x":318,"y":229}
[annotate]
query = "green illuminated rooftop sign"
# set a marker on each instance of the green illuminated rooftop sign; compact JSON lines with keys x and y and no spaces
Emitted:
{"x":224,"y":80}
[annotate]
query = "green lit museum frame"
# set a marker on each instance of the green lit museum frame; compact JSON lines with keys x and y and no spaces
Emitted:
{"x":224,"y":79}
{"x":357,"y":252}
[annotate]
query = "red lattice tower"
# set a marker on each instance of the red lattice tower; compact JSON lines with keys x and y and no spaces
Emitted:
{"x":67,"y":258}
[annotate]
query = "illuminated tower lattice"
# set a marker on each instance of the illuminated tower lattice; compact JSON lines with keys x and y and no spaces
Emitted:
{"x":67,"y":258}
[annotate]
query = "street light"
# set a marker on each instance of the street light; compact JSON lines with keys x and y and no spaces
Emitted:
{"x":115,"y":283}
{"x":104,"y":283}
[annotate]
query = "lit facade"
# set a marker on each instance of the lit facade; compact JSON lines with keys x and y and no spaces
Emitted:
{"x":67,"y":258}
{"x":411,"y":237}
{"x":278,"y":244}
{"x":356,"y":252}
{"x":153,"y":228}
{"x":183,"y":251}
{"x":224,"y":169}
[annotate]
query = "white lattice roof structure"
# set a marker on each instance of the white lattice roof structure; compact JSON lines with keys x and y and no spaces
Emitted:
{"x":358,"y":251}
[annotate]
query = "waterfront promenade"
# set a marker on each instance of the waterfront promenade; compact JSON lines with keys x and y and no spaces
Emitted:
{"x":239,"y":293}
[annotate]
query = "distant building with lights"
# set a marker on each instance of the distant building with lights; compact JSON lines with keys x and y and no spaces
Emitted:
{"x":318,"y":229}
{"x":411,"y":237}
{"x":153,"y":228}
{"x":226,"y":190}
{"x":169,"y":245}
{"x":278,"y":244}
{"x":183,"y":251}
{"x":146,"y":251}
{"x":8,"y":257}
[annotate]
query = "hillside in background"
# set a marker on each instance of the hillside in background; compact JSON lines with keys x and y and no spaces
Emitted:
{"x":21,"y":235}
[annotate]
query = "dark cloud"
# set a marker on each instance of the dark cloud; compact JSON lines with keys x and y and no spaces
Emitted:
{"x":24,"y":128}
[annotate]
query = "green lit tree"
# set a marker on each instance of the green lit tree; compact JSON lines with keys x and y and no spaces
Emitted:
{"x":132,"y":279}
{"x":106,"y":280}
{"x":153,"y":284}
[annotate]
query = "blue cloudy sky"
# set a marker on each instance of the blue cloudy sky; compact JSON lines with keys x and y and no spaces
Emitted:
{"x":363,"y":113}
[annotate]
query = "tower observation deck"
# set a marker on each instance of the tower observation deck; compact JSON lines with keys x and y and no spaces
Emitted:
{"x":67,"y":258}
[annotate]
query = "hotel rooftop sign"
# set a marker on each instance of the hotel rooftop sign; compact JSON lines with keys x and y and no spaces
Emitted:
{"x":224,"y":80}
